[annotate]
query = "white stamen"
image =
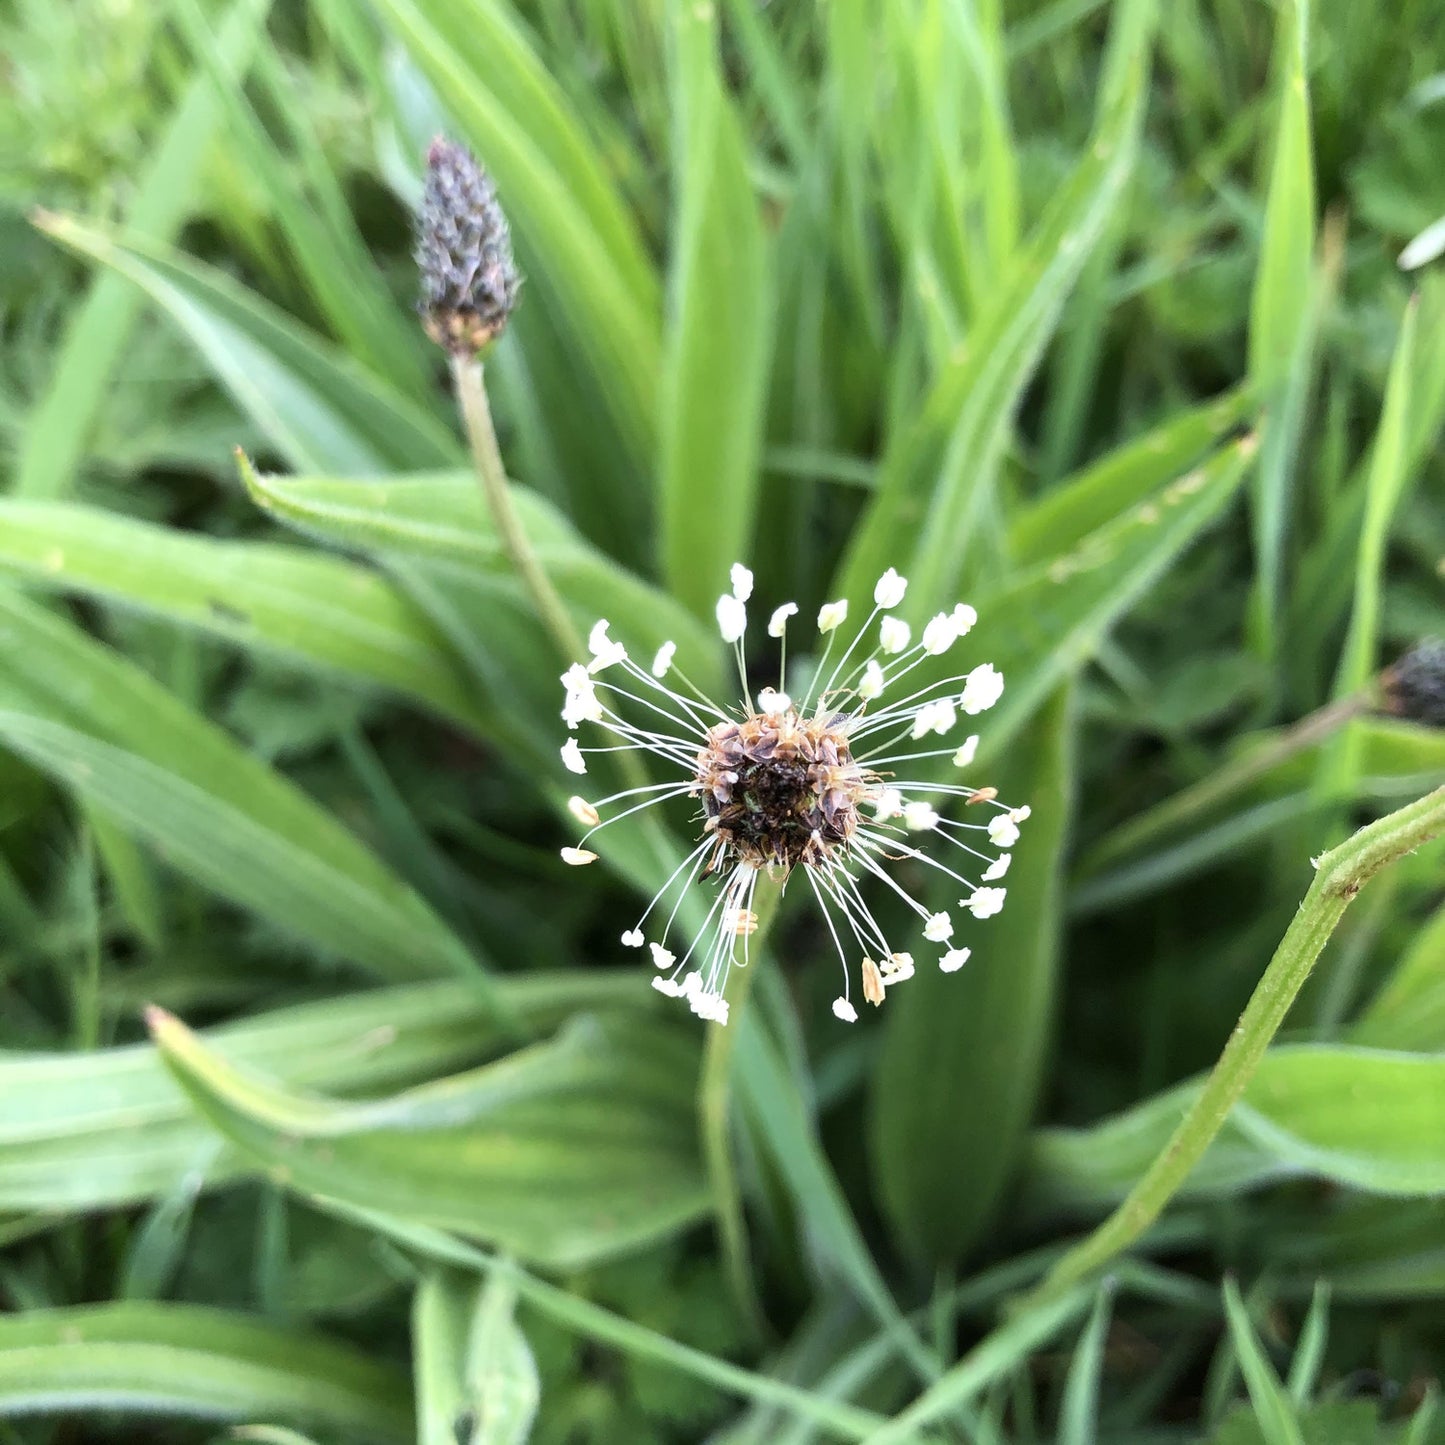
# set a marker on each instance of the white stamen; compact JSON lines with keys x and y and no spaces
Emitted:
{"x":1019,"y":814}
{"x":663,"y":660}
{"x":890,"y":589}
{"x":893,"y":635}
{"x":732,"y":618}
{"x":872,"y":683}
{"x":772,"y":702}
{"x":778,"y":622}
{"x":997,"y":868}
{"x":919,"y":817}
{"x":963,"y":619}
{"x":742,"y":580}
{"x":1003,"y":832}
{"x":939,"y":635}
{"x":632,"y":938}
{"x":985,"y":902}
{"x":572,"y":758}
{"x":577,"y":857}
{"x":604,"y":651}
{"x":832,"y":615}
{"x":844,"y":1010}
{"x":583,"y":811}
{"x":662,"y":957}
{"x":954,"y":959}
{"x":888,"y":803}
{"x":981,"y":689}
{"x":968,"y":749}
{"x":938,"y":928}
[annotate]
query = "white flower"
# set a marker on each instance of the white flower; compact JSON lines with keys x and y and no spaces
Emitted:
{"x":919,"y":816}
{"x":981,"y":689}
{"x":966,"y":752}
{"x":605,"y":652}
{"x":939,"y":635}
{"x":890,"y":589}
{"x":985,"y":902}
{"x":997,"y":868}
{"x":732,"y":618}
{"x":778,"y":622}
{"x":837,"y":753}
{"x":963,"y":619}
{"x":893,"y":635}
{"x":954,"y":959}
{"x":939,"y":927}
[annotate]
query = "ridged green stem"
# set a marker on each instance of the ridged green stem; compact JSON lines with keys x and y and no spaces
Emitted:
{"x":1339,"y":876}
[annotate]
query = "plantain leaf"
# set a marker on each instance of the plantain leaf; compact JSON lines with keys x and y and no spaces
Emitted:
{"x":319,"y":408}
{"x":101,"y":726}
{"x":1361,"y":1117}
{"x":83,"y":1131}
{"x":294,"y":601}
{"x":166,"y":1359}
{"x":941,"y":1171}
{"x":565,"y":1153}
{"x":718,"y":339}
{"x":938,"y":474}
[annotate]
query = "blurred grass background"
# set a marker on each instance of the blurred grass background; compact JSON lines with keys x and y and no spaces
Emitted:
{"x":1088,"y":314}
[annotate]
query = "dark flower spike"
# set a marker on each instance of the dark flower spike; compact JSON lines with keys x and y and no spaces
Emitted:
{"x":1415,"y":685}
{"x":469,"y":281}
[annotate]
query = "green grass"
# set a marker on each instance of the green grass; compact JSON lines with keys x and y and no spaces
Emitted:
{"x":1088,"y":313}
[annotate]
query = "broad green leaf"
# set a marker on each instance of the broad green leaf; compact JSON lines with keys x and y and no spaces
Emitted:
{"x":938,"y":473}
{"x":475,"y":1375}
{"x":322,"y":410}
{"x":1364,"y":1118}
{"x":565,"y":1153}
{"x":442,"y":517}
{"x":85,"y":1131}
{"x":320,"y":610}
{"x":101,"y":726}
{"x":183,"y":1360}
{"x":718,"y":336}
{"x":1061,"y":519}
{"x":981,"y":1035}
{"x":96,"y":338}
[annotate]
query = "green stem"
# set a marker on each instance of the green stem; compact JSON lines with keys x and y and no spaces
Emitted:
{"x":471,"y":390}
{"x":1339,"y":876}
{"x":714,"y":1107}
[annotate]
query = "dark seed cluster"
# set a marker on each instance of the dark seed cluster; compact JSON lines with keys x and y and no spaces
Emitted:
{"x":1415,"y":685}
{"x":469,"y":281}
{"x":779,"y":790}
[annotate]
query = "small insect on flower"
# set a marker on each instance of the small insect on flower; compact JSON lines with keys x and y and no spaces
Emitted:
{"x":818,"y":786}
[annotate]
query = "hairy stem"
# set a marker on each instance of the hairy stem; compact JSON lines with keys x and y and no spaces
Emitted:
{"x":471,"y":391}
{"x":1339,"y":876}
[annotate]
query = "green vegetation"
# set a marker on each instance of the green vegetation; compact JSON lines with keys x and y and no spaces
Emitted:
{"x":331,"y":1108}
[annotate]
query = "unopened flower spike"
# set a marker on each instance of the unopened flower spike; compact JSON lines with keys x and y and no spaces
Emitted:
{"x":823,"y":786}
{"x":469,"y":281}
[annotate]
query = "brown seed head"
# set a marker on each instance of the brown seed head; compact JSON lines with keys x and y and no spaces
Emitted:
{"x":778,"y":789}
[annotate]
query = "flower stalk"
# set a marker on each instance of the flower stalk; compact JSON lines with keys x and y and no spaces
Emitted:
{"x":1339,"y":876}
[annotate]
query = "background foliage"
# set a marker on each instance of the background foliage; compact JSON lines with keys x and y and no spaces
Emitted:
{"x":1090,"y":315}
